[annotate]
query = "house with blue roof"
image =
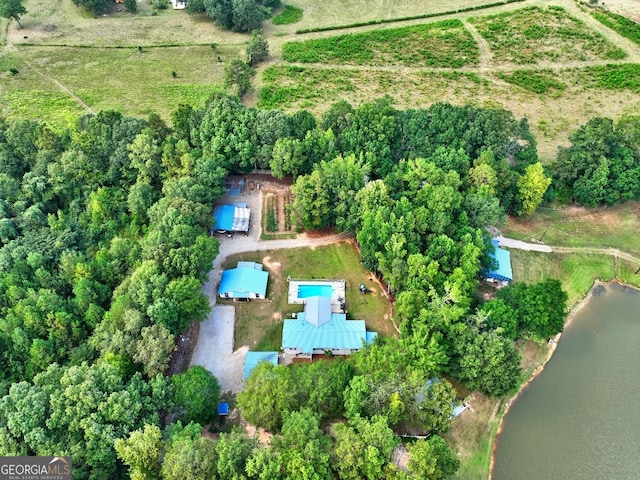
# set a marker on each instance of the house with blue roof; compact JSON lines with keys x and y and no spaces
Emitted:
{"x":231,"y":218}
{"x":248,"y":280}
{"x":502,"y":257}
{"x":317,"y":330}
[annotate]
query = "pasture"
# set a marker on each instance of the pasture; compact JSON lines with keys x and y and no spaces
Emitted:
{"x":70,"y":63}
{"x":438,"y":44}
{"x":534,"y":35}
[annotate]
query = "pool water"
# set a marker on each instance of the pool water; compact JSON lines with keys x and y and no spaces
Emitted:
{"x":305,"y":291}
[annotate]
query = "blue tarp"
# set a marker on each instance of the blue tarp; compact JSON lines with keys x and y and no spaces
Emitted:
{"x":254,"y":358}
{"x":223,"y":408}
{"x":503,"y":258}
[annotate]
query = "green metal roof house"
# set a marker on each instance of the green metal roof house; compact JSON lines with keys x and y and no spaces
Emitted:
{"x":318,"y":330}
{"x":246,"y":281}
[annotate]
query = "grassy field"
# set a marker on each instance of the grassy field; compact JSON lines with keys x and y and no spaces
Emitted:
{"x":315,"y":88}
{"x":438,"y":44}
{"x":61,"y":51}
{"x":259,"y":323}
{"x":603,"y":227}
{"x":125,"y":79}
{"x":60,"y":22}
{"x":533,"y":35}
{"x":624,"y":26}
{"x":615,"y":77}
{"x":324,"y":13}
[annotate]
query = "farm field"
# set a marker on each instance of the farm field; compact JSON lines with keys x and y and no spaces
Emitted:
{"x":439,"y":44}
{"x":534,"y":35}
{"x":585,"y":69}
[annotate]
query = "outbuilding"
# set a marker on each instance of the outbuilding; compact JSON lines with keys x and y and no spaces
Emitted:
{"x":231,"y":218}
{"x":502,"y":273}
{"x":248,"y":280}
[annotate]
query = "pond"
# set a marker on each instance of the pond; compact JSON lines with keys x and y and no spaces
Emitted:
{"x":579,"y":418}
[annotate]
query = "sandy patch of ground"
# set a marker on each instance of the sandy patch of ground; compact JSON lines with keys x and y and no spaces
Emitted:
{"x":272,"y":265}
{"x":214,"y":349}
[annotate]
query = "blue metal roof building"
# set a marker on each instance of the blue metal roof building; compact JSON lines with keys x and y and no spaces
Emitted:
{"x":247,"y":280}
{"x":232,"y":218}
{"x":252,"y":360}
{"x":503,"y":259}
{"x":317,"y":330}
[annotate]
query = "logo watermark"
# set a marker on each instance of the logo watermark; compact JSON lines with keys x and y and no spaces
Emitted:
{"x":35,"y":468}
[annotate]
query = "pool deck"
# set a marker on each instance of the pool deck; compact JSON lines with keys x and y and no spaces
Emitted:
{"x":337,"y":292}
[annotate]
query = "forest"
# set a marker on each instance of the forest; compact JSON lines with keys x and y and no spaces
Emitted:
{"x":104,"y":245}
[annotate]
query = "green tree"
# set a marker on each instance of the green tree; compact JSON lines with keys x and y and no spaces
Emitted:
{"x":531,"y":188}
{"x":95,"y":6}
{"x":195,"y":395}
{"x":233,"y":450}
{"x":257,"y":49}
{"x":362,"y":448}
{"x":541,"y":307}
{"x":431,"y":459}
{"x":324,"y":198}
{"x":195,"y":6}
{"x":188,"y":455}
{"x":12,"y":9}
{"x":287,"y":157}
{"x":141,"y":452}
{"x":154,"y":349}
{"x":131,"y":6}
{"x":502,"y":318}
{"x":269,"y":393}
{"x":237,"y":74}
{"x":246,"y":15}
{"x":302,"y":448}
{"x":488,"y":362}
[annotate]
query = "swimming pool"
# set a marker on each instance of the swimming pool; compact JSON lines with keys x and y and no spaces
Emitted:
{"x":305,"y":291}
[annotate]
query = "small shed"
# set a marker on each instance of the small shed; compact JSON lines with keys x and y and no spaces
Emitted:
{"x":246,"y":281}
{"x":252,"y":360}
{"x":232,"y":218}
{"x":502,"y":257}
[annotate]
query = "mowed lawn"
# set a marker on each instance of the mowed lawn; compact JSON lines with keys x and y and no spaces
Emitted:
{"x":259,"y":322}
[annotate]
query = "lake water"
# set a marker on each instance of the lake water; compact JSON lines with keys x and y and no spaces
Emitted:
{"x":580,"y":418}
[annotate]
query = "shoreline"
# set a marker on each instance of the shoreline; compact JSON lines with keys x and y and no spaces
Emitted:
{"x":572,"y":313}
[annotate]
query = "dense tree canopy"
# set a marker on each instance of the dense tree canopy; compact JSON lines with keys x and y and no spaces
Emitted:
{"x":602,"y":164}
{"x":104,"y":246}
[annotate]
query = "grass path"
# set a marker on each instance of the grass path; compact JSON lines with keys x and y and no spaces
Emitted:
{"x":60,"y":86}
